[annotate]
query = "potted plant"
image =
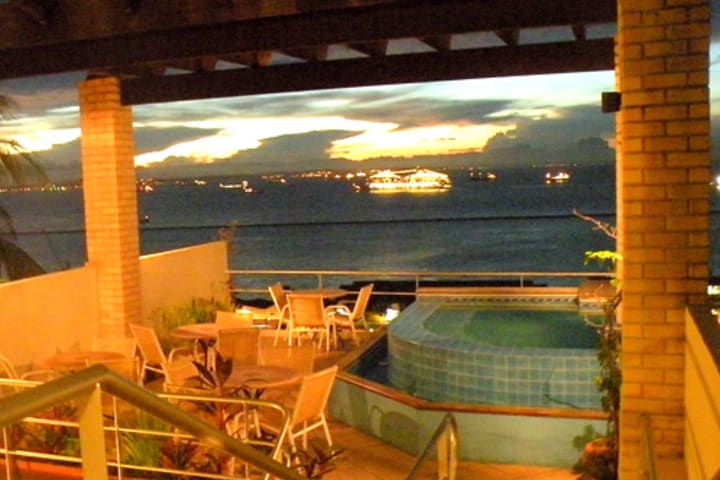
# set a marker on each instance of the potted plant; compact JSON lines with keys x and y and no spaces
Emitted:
{"x":197,"y":310}
{"x":600,"y":454}
{"x":599,"y":458}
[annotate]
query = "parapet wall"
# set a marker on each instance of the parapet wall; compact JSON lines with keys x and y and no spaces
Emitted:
{"x":60,"y":311}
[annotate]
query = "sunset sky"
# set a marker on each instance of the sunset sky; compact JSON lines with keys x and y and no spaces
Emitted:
{"x":327,"y":128}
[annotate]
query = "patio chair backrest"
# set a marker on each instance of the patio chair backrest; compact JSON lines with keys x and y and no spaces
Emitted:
{"x":313,"y":396}
{"x":7,"y":369}
{"x":240,"y":344}
{"x":149,"y":345}
{"x":306,"y":311}
{"x":232,"y":318}
{"x":277,"y":292}
{"x":362,"y":301}
{"x":178,"y":372}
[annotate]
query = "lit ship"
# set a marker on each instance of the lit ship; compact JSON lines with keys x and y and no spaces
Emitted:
{"x":417,"y":180}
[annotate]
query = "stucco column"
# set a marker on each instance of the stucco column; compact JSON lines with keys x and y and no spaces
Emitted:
{"x":663,"y":210}
{"x":111,"y":214}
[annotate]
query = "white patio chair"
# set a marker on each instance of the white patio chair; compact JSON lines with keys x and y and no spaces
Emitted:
{"x":153,"y":358}
{"x":307,"y":314}
{"x":342,"y":316}
{"x":307,"y":412}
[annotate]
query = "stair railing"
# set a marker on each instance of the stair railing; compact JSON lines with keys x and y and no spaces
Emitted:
{"x":446,"y":439}
{"x":85,"y":389}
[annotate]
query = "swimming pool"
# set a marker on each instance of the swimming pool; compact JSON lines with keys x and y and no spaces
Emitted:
{"x":519,"y":352}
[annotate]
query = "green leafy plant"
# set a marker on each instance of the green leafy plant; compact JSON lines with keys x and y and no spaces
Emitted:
{"x":599,"y":459}
{"x":316,"y":461}
{"x":197,"y":310}
{"x":188,"y":455}
{"x":17,"y":167}
{"x":600,"y":455}
{"x":141,"y":449}
{"x":54,"y":439}
{"x":171,"y":452}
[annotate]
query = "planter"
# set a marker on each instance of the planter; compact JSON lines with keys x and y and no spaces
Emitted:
{"x":36,"y":470}
{"x":598,"y":461}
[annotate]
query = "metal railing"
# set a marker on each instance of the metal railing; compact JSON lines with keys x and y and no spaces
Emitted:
{"x":256,"y":281}
{"x":84,"y":390}
{"x":446,"y":440}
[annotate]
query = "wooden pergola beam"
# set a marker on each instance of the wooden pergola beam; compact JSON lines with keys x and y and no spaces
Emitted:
{"x":534,"y":59}
{"x":72,"y":52}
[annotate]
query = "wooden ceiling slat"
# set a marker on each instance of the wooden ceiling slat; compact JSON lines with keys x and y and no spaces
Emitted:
{"x":321,"y":28}
{"x":371,"y":49}
{"x":580,"y":32}
{"x":589,"y":55}
{"x":439,"y":42}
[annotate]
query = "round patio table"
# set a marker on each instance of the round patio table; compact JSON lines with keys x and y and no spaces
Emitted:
{"x":255,"y":379}
{"x":205,"y":336}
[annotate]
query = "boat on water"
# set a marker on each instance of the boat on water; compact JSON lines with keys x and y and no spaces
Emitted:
{"x":557,"y":176}
{"x":481,"y":176}
{"x":416,"y":180}
{"x":243,"y":186}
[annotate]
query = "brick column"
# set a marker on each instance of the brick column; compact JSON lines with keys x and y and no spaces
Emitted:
{"x":111,"y":214}
{"x":663,"y":212}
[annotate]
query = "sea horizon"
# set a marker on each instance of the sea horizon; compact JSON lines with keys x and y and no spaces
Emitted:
{"x":516,"y":223}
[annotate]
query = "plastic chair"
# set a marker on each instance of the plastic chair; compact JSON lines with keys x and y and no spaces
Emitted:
{"x":307,"y":412}
{"x":153,"y":358}
{"x":342,"y":317}
{"x":280,"y":304}
{"x":307,"y":314}
{"x":239,"y":344}
{"x":128,"y":366}
{"x":274,"y":312}
{"x":232,"y":318}
{"x":7,"y":370}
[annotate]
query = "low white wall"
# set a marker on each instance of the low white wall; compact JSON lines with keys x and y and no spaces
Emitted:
{"x":42,"y":314}
{"x":59,"y":311}
{"x":176,"y":276}
{"x":702,"y":403}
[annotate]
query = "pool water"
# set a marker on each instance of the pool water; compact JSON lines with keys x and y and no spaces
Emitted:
{"x":514,"y":327}
{"x":532,"y":353}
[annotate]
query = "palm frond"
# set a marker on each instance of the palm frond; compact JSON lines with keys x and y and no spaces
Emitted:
{"x":15,"y":263}
{"x":17,"y":166}
{"x":6,"y":224}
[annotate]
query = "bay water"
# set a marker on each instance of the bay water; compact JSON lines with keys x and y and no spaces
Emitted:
{"x":516,"y":223}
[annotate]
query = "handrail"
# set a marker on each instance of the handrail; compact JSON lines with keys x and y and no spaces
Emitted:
{"x":414,"y":275}
{"x":81,"y":385}
{"x":447,"y":439}
{"x":649,"y":458}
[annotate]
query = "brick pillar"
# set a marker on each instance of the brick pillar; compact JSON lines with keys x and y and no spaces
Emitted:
{"x":111,"y":214}
{"x":663,"y":212}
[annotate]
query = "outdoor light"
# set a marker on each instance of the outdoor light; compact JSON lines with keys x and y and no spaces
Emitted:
{"x":392,"y":312}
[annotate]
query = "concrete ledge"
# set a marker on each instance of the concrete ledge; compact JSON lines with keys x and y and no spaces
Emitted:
{"x":565,"y":292}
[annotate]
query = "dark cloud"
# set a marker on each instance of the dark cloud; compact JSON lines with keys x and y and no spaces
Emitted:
{"x":39,"y":95}
{"x":149,"y":139}
{"x":572,"y":124}
{"x":62,"y":163}
{"x":286,"y":153}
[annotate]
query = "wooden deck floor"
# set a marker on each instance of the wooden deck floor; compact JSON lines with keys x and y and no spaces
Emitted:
{"x":367,"y":458}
